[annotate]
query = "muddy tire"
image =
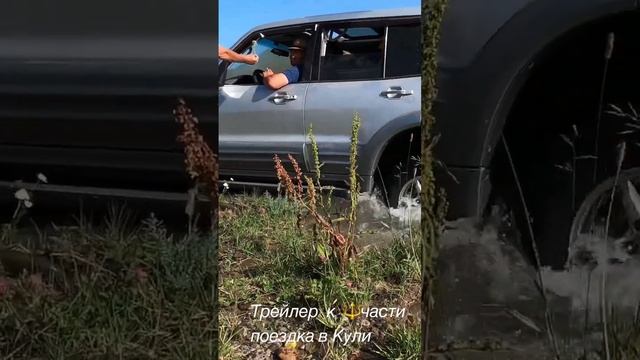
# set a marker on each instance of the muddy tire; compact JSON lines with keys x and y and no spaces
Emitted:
{"x":548,"y":213}
{"x":410,"y":191}
{"x":585,"y":219}
{"x":390,"y":187}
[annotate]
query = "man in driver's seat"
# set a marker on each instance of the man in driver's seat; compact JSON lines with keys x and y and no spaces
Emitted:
{"x":293,"y":74}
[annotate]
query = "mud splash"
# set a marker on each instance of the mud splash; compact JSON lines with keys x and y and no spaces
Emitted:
{"x":487,"y":288}
{"x":490,"y":262}
{"x":374,"y":214}
{"x":582,"y":282}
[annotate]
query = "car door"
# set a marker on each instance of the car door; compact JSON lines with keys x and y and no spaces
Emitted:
{"x":364,"y":68}
{"x":257,"y":122}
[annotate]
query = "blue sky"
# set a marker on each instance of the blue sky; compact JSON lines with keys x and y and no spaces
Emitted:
{"x":236,"y":17}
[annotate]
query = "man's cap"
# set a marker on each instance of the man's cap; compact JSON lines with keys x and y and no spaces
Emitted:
{"x":298,"y":44}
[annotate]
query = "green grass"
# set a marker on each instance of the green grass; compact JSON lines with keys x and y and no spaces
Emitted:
{"x":123,"y":291}
{"x":265,"y":257}
{"x":228,"y":332}
{"x":402,"y":343}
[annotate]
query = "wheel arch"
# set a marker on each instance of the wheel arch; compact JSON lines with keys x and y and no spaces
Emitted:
{"x":379,"y":142}
{"x":566,"y":18}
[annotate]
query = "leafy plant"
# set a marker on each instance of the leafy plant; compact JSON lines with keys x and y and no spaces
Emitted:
{"x":340,"y":245}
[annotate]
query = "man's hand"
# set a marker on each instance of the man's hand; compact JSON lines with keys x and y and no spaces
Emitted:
{"x":252,"y":59}
{"x":272,"y":80}
{"x":267,"y":72}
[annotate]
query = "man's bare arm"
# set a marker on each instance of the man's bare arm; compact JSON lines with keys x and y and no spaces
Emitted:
{"x":276,"y":81}
{"x":232,"y":56}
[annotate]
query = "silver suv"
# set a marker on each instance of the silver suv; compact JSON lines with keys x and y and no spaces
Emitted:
{"x":364,"y":62}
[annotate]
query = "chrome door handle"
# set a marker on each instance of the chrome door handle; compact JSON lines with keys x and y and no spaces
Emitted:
{"x":282,"y":97}
{"x":396,"y":92}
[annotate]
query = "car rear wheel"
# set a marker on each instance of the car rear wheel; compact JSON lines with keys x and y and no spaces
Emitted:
{"x":409,"y":194}
{"x":400,"y":188}
{"x":607,"y":224}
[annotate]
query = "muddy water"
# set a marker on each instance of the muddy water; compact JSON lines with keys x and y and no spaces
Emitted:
{"x":373,"y":214}
{"x":486,"y":298}
{"x":585,"y":287}
{"x":485,"y":290}
{"x":488,"y":290}
{"x":379,"y":226}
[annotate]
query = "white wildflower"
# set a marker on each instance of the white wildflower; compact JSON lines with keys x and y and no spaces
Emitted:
{"x":42,"y":178}
{"x":22,"y":195}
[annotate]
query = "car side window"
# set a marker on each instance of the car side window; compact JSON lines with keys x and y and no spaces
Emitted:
{"x":272,"y":55}
{"x":403,"y":51}
{"x":352,"y":53}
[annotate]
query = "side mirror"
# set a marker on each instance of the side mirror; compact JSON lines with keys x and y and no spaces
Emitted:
{"x":222,"y":70}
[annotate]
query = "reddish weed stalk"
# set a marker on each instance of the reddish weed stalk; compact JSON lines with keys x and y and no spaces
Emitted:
{"x":294,"y":190}
{"x":201,"y":162}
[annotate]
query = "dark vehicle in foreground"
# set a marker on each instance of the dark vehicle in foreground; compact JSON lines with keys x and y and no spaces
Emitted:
{"x":87,"y":92}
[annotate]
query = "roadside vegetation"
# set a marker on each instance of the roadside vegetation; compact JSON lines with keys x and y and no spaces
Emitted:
{"x":295,"y":249}
{"x":116,"y":289}
{"x":433,"y":201}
